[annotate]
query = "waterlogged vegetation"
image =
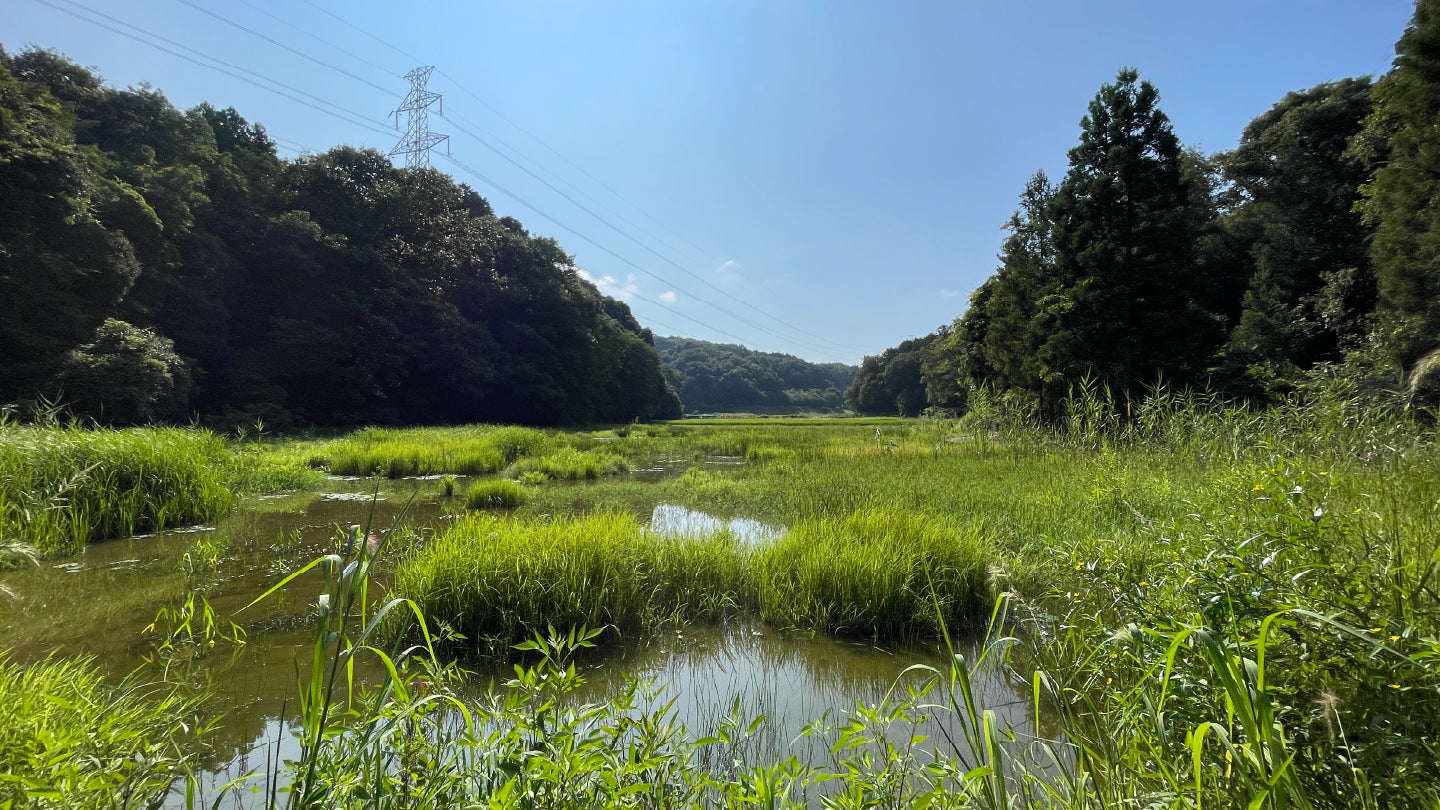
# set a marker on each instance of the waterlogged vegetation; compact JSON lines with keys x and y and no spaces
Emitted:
{"x":64,"y":486}
{"x":1206,"y":605}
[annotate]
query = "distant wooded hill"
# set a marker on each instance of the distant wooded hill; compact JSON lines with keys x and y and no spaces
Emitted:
{"x":724,"y":377}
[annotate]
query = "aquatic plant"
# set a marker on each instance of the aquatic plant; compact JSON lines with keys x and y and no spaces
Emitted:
{"x":570,"y":464}
{"x":497,"y":581}
{"x":495,"y":494}
{"x":874,"y":574}
{"x":62,"y":486}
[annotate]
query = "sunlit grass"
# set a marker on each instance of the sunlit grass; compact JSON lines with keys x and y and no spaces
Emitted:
{"x":64,"y":486}
{"x":67,"y":739}
{"x":497,"y":580}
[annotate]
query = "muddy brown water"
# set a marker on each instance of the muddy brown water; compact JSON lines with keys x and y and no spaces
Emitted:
{"x":101,"y":602}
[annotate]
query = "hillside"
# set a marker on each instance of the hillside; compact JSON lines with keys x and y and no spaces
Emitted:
{"x":165,"y":265}
{"x":714,"y":377}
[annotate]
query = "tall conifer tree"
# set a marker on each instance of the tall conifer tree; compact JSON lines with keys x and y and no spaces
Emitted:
{"x":1124,"y":240}
{"x":1404,"y":193}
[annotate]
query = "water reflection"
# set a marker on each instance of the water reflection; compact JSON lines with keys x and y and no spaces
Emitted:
{"x":793,"y":681}
{"x":673,"y":520}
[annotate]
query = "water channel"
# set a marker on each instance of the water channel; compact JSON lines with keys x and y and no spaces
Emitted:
{"x":100,"y":603}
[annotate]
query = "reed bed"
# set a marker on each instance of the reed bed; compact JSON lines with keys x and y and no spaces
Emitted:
{"x":471,"y":450}
{"x":569,"y":464}
{"x":64,"y":486}
{"x":499,"y":581}
{"x":883,"y":575}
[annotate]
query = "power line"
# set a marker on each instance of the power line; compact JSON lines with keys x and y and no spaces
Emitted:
{"x":283,"y":46}
{"x":214,"y":64}
{"x":517,"y":198}
{"x":537,"y":139}
{"x":627,"y":235}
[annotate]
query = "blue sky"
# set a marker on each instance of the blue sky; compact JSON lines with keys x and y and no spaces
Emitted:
{"x":820,"y":178}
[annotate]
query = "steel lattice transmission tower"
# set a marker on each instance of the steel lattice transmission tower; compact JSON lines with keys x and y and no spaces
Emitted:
{"x":418,"y":140}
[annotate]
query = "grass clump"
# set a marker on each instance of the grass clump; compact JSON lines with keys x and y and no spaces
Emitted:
{"x":472,"y":450}
{"x":495,"y":494}
{"x":68,"y":739}
{"x":497,"y":581}
{"x":872,"y":574}
{"x":64,"y":486}
{"x":570,"y":464}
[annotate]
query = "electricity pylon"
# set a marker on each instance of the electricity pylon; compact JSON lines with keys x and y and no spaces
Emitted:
{"x":418,"y":140}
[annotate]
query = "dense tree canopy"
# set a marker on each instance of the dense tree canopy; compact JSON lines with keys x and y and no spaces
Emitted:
{"x":1403,"y":196}
{"x":161,"y":248}
{"x":1314,"y":242}
{"x":715,"y":377}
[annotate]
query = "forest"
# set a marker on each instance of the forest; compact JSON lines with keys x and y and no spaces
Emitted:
{"x":725,"y":377}
{"x":159,"y":265}
{"x":1312,"y":247}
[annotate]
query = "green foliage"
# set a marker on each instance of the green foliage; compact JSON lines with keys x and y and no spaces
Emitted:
{"x":1305,"y":249}
{"x":495,"y":494}
{"x":498,"y":581}
{"x":714,"y":377}
{"x":124,"y":376}
{"x":68,"y":739}
{"x":63,"y":487}
{"x":874,"y":574}
{"x":1124,"y":239}
{"x":893,"y":382}
{"x":1401,"y":197}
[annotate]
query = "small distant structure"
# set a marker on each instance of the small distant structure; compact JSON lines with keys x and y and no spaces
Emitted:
{"x":418,"y":140}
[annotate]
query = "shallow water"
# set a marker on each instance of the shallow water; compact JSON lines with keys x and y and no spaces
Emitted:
{"x":100,"y":602}
{"x":673,"y":520}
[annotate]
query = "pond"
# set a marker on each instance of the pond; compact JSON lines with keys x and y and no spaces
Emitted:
{"x":101,"y":602}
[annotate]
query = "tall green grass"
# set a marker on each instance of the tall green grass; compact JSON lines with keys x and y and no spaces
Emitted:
{"x":876,"y":575}
{"x":68,"y":739}
{"x":498,"y":581}
{"x":570,"y":464}
{"x":64,"y":486}
{"x":472,"y":450}
{"x":495,"y":494}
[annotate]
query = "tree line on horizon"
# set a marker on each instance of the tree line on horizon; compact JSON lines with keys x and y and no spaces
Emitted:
{"x":160,"y":265}
{"x":1314,"y":243}
{"x":723,"y":377}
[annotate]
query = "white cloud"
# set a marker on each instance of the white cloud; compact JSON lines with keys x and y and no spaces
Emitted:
{"x":949,"y":293}
{"x":667,"y":297}
{"x":609,"y":285}
{"x":728,"y":272}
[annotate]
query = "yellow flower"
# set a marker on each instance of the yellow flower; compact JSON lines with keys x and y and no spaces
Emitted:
{"x":1257,"y":487}
{"x":1394,"y":638}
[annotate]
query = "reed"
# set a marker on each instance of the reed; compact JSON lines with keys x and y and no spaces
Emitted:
{"x":495,"y":494}
{"x":875,"y":575}
{"x":64,"y":486}
{"x":570,"y":464}
{"x":498,"y":581}
{"x":471,"y":450}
